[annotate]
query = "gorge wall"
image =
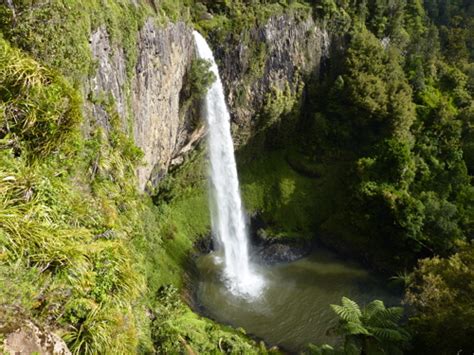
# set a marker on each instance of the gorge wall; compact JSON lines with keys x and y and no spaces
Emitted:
{"x":264,"y":62}
{"x":149,"y":105}
{"x":256,"y":65}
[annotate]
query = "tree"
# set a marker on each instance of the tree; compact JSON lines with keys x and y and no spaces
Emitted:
{"x":441,"y":295}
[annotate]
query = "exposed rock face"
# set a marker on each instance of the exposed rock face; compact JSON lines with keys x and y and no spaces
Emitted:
{"x":159,"y":127}
{"x":293,"y":48}
{"x":149,"y":101}
{"x":109,"y":79}
{"x":280,"y":253}
{"x":29,"y":339}
{"x":273,"y":56}
{"x":273,"y":250}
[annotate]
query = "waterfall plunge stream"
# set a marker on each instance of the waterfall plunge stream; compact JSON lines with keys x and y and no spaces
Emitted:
{"x":229,"y":228}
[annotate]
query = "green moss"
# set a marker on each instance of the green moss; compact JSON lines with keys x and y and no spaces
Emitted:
{"x":294,"y":204}
{"x":183,"y":218}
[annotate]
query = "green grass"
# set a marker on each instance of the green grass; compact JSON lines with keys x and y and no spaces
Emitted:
{"x":68,"y":211}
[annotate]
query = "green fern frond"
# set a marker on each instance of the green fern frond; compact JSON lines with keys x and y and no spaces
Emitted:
{"x":353,"y":306}
{"x":386,"y":317}
{"x":356,"y":328}
{"x":390,"y":335}
{"x":374,"y":307}
{"x":346,"y":314}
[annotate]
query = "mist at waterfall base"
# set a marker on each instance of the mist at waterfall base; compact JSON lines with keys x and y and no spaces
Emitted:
{"x":229,"y":228}
{"x":285,"y":304}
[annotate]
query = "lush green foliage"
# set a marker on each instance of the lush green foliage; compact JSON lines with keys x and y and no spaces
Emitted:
{"x":57,"y":32}
{"x":38,"y":108}
{"x":372,"y":330}
{"x":402,"y":123}
{"x":201,"y":77}
{"x":82,"y":252}
{"x":69,"y":231}
{"x":441,"y":292}
{"x":176,"y":328}
{"x":379,"y":167}
{"x":395,"y":114}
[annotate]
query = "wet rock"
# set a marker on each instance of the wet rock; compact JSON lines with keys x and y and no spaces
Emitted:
{"x":280,"y":253}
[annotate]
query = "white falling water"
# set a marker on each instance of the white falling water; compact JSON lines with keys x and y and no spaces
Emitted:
{"x":228,"y":222}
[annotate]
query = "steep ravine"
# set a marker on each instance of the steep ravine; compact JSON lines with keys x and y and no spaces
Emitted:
{"x":141,"y":89}
{"x":290,"y":49}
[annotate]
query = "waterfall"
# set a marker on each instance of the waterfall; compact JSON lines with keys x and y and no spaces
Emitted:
{"x":229,"y":228}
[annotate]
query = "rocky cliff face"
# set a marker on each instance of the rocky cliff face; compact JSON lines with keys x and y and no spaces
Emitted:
{"x":149,"y":103}
{"x":274,"y":57}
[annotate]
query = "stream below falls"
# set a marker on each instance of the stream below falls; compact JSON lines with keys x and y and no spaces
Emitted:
{"x":293,"y":308}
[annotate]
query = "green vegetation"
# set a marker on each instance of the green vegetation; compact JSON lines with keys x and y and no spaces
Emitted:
{"x":440,"y":292}
{"x":82,"y":252}
{"x":379,"y":164}
{"x":400,"y":125}
{"x":375,"y":159}
{"x":372,"y":330}
{"x":68,"y":230}
{"x":176,"y":328}
{"x":224,"y":18}
{"x":57,"y":32}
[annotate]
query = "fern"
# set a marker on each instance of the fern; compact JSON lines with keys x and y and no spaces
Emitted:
{"x":353,"y":306}
{"x":374,"y":307}
{"x":373,"y":330}
{"x":349,"y":311}
{"x":387,"y":334}
{"x":355,"y":328}
{"x":386,"y":317}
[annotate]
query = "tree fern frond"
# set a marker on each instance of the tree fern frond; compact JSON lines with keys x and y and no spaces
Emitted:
{"x":386,"y":334}
{"x":373,"y":307}
{"x":346,"y":314}
{"x":353,"y":306}
{"x":355,"y":328}
{"x":386,"y":316}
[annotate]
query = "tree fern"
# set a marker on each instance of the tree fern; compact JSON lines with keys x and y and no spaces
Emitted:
{"x":374,"y":307}
{"x":373,"y":330}
{"x":387,"y":334}
{"x":349,"y":311}
{"x":355,"y":328}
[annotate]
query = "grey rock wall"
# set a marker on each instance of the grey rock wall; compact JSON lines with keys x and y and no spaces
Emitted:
{"x":149,"y":103}
{"x":294,"y":49}
{"x":159,"y":127}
